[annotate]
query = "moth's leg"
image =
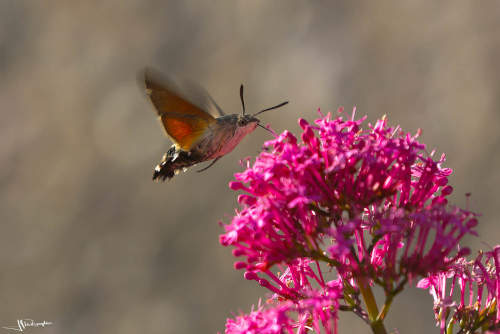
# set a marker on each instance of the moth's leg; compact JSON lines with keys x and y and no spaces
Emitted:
{"x":211,"y":164}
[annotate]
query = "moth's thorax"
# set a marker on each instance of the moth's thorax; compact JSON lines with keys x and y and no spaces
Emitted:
{"x":224,"y":135}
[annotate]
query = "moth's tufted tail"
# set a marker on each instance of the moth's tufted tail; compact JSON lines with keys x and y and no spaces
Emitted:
{"x":172,"y":163}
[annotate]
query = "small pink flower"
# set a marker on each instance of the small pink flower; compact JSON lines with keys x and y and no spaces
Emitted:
{"x":475,"y":310}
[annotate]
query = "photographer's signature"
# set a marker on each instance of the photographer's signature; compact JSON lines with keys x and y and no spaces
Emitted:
{"x":23,"y":324}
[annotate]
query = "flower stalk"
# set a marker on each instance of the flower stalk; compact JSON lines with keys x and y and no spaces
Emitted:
{"x":376,"y":323}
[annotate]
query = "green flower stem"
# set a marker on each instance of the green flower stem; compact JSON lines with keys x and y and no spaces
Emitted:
{"x":378,"y":327}
{"x":390,"y":297}
{"x":385,"y":308}
{"x":449,"y":328}
{"x":371,"y":305}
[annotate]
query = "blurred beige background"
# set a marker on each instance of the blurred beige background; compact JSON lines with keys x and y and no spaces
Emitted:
{"x":89,"y":242}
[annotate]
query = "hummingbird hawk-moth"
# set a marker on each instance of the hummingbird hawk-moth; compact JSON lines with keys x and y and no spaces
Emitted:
{"x":197,"y":136}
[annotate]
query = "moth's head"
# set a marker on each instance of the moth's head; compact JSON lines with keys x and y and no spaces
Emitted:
{"x":250,"y":121}
{"x":247,"y":120}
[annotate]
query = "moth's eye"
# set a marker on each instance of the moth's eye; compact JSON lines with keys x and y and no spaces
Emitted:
{"x":241,"y":122}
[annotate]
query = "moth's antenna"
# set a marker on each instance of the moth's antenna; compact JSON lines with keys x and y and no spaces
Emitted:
{"x":275,"y":107}
{"x":242,"y":100}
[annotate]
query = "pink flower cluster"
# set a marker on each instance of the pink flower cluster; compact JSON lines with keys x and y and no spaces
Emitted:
{"x":371,"y":203}
{"x":270,"y":321}
{"x":311,"y":313}
{"x":479,"y":288}
{"x":303,"y":301}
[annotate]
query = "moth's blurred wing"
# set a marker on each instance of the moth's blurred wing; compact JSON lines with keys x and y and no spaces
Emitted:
{"x":183,"y":131}
{"x":184,"y":122}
